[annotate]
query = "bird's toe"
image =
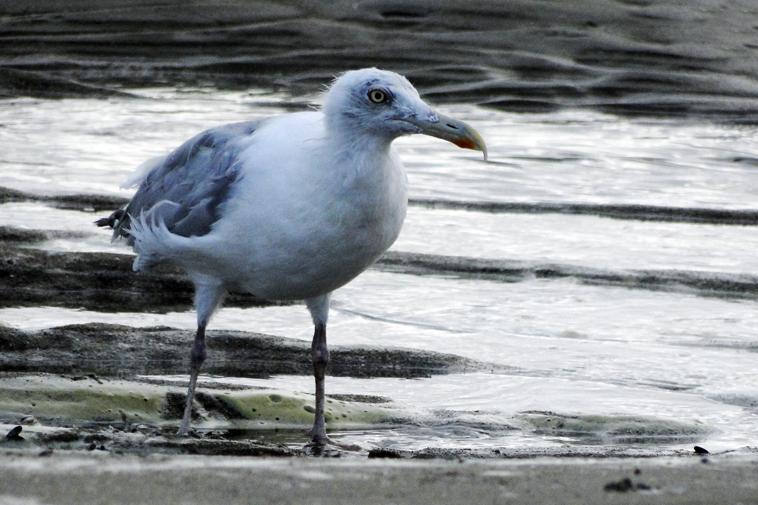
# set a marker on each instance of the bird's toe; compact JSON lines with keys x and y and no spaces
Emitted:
{"x":322,"y":445}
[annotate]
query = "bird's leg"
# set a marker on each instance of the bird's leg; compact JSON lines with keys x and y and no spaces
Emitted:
{"x":320,"y":357}
{"x":197,"y":356}
{"x":319,"y":308}
{"x":208,"y":295}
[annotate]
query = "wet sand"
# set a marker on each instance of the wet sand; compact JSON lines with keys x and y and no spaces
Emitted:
{"x":63,"y":478}
{"x":667,"y":57}
{"x":125,"y":351}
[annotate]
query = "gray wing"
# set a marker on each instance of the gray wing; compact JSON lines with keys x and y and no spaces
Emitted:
{"x":186,"y":188}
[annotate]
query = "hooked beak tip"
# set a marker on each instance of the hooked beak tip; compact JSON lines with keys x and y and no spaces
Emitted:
{"x":468,"y":143}
{"x":472,"y":141}
{"x":455,"y":131}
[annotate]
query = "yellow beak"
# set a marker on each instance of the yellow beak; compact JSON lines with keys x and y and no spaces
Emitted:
{"x":452,"y":130}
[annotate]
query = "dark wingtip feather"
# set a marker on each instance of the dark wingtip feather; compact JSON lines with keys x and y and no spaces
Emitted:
{"x":110,"y":221}
{"x":103,"y":222}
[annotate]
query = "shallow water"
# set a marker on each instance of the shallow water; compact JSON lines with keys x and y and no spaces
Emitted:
{"x":680,"y":365}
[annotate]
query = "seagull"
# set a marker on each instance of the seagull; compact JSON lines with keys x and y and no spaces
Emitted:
{"x":289,"y":207}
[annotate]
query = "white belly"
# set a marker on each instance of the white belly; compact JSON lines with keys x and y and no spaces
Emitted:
{"x":323,"y":255}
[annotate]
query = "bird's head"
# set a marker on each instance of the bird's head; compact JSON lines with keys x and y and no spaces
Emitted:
{"x":387,"y":105}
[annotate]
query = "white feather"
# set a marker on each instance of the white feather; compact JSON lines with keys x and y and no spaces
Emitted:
{"x":139,"y":174}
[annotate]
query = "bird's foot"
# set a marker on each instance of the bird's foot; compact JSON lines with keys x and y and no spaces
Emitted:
{"x":182,"y":432}
{"x":184,"y":426}
{"x":186,"y":430}
{"x":322,"y":445}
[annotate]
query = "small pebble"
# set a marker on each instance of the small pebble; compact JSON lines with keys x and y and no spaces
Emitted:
{"x":28,"y":420}
{"x":14,"y":434}
{"x":621,"y":486}
{"x":95,"y":378}
{"x":142,"y":428}
{"x":380,"y":452}
{"x":626,"y":485}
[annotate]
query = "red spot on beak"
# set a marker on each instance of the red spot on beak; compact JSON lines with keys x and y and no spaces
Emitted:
{"x":465,"y":143}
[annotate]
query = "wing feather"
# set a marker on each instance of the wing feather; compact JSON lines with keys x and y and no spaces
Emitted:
{"x":186,"y":188}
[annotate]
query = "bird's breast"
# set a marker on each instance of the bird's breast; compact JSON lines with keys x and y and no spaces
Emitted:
{"x":320,"y":232}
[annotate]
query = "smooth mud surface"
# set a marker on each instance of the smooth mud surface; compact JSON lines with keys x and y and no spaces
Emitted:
{"x":63,"y":478}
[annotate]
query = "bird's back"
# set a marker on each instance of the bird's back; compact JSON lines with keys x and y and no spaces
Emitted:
{"x":185,"y":189}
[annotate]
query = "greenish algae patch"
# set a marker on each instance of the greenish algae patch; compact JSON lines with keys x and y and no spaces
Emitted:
{"x":64,"y":401}
{"x":82,"y":404}
{"x":616,"y":429}
{"x":279,"y":408}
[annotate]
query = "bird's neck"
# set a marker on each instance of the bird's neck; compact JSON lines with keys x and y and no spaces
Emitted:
{"x":358,"y":147}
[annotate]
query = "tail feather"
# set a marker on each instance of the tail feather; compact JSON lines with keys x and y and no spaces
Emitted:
{"x":147,"y":233}
{"x":153,"y":241}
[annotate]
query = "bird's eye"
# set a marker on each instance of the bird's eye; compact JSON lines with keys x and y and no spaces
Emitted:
{"x":377,"y":96}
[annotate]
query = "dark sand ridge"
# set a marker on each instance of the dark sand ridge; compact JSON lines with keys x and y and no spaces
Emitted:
{"x":669,"y":57}
{"x":33,"y":277}
{"x":734,"y":217}
{"x":115,"y":350}
{"x":103,"y":282}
